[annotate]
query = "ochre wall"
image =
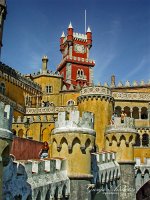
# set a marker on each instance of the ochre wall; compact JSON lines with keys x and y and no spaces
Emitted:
{"x":141,"y":152}
{"x":102,"y":110}
{"x":79,"y":162}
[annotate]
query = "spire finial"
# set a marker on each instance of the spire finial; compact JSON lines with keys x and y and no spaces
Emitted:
{"x":63,"y":35}
{"x":88,"y":30}
{"x":70,"y":25}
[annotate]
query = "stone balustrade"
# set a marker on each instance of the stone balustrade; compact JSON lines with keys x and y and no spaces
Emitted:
{"x":50,"y":109}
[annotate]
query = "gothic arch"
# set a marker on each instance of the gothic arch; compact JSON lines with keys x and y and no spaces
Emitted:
{"x":63,"y":140}
{"x":118,"y":111}
{"x":76,"y":141}
{"x":47,"y":197}
{"x":145,"y":139}
{"x":56,"y":193}
{"x":137,"y":140}
{"x":14,"y":132}
{"x":135,"y":113}
{"x":122,"y":137}
{"x":20,"y":133}
{"x":38,"y":196}
{"x":144,"y":113}
{"x":87,"y":143}
{"x":127,"y":111}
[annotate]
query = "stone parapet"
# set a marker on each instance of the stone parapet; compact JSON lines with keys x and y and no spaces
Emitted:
{"x":97,"y":92}
{"x":12,"y":103}
{"x":46,"y":179}
{"x":75,"y":123}
{"x":51,"y":109}
{"x":117,"y":126}
{"x":16,"y":78}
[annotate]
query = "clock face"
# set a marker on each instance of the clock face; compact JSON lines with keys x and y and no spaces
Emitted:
{"x":79,"y":48}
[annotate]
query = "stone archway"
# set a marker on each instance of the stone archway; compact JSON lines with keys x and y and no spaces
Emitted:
{"x":144,"y":192}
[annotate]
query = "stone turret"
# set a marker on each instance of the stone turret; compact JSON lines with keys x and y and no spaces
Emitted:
{"x":44,"y":64}
{"x":120,"y":137}
{"x":74,"y":139}
{"x":6,"y":137}
{"x":98,"y":100}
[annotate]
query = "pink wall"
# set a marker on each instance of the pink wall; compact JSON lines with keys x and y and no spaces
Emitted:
{"x":24,"y":149}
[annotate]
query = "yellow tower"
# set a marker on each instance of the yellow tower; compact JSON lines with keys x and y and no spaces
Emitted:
{"x":5,"y":138}
{"x":99,"y":101}
{"x":74,"y":139}
{"x":120,"y":137}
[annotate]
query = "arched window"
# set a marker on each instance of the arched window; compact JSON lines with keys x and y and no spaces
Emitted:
{"x":118,"y":111}
{"x":2,"y":88}
{"x":127,"y":111}
{"x":144,"y":113}
{"x":135,"y":113}
{"x":145,"y":140}
{"x":137,"y":140}
{"x":70,"y":102}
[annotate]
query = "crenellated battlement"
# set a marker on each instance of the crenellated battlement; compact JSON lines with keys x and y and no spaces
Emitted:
{"x":37,"y":167}
{"x":75,"y":123}
{"x":127,"y":125}
{"x":142,"y":83}
{"x":29,"y":178}
{"x":5,"y":121}
{"x":32,"y":119}
{"x":108,"y":168}
{"x":17,"y":78}
{"x":79,"y":36}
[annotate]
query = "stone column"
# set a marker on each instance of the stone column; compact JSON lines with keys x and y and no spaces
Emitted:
{"x":131,"y":111}
{"x":141,"y":136}
{"x":139,"y":112}
{"x":37,"y":101}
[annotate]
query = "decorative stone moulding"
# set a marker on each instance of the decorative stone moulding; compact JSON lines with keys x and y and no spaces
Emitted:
{"x":97,"y":92}
{"x":131,"y":96}
{"x":50,"y":109}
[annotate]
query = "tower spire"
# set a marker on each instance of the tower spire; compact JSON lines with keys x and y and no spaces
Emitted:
{"x":70,"y":25}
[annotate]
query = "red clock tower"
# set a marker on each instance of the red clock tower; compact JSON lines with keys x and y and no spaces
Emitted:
{"x":76,"y":67}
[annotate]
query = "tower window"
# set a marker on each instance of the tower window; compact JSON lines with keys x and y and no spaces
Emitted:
{"x":70,"y":102}
{"x":2,"y":88}
{"x":48,"y":89}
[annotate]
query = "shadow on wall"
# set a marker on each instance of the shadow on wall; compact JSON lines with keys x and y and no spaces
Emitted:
{"x":144,"y":192}
{"x":15,"y":185}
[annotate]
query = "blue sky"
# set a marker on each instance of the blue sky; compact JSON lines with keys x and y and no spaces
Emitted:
{"x":121,"y":35}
